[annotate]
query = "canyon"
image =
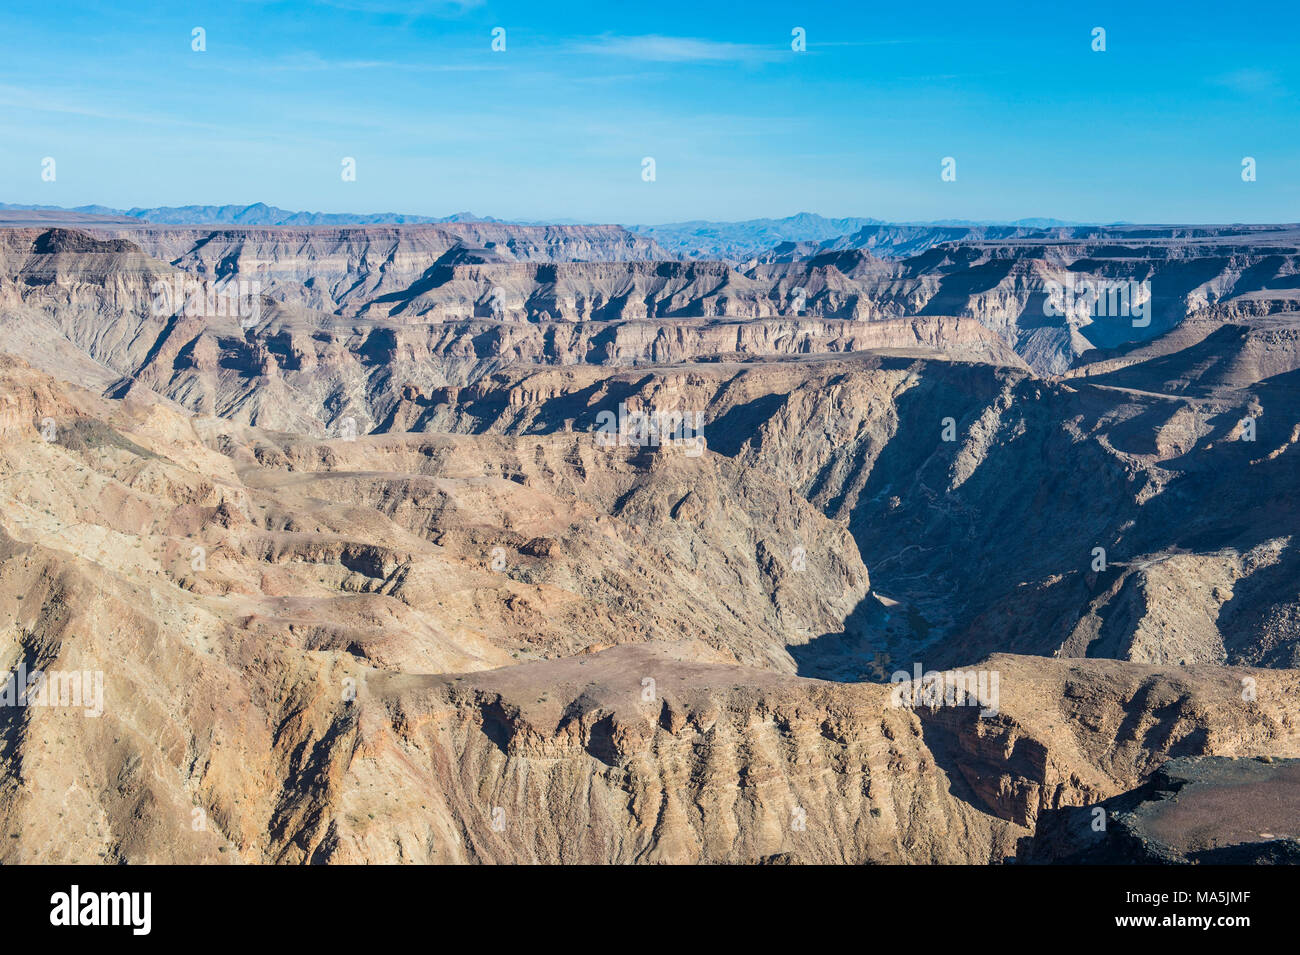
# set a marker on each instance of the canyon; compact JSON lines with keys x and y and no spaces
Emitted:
{"x":365,"y":584}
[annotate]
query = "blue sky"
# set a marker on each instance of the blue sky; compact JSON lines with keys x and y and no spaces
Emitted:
{"x":739,"y":125}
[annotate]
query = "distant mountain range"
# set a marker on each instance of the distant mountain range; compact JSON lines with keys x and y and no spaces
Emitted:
{"x":752,"y":240}
{"x":801,"y":227}
{"x":806,"y":232}
{"x":259,"y":213}
{"x":704,"y":239}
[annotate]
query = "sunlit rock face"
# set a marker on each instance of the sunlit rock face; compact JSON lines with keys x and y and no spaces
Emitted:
{"x":480,"y":543}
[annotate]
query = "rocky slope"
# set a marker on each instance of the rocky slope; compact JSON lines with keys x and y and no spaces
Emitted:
{"x":369,"y":582}
{"x":1006,"y":284}
{"x":342,"y":269}
{"x":949,"y":476}
{"x":462,"y":272}
{"x":340,"y":675}
{"x":133,"y":320}
{"x":1207,"y":811}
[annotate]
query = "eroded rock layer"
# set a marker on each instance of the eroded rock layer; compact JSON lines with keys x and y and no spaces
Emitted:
{"x":384,"y":564}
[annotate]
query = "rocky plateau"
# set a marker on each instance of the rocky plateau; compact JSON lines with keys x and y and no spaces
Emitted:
{"x":363,"y":530}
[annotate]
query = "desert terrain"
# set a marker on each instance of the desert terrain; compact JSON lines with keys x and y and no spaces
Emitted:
{"x":380,"y":553}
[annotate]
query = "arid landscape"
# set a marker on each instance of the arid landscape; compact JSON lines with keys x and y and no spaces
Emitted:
{"x":474,"y":542}
{"x":602,"y":442}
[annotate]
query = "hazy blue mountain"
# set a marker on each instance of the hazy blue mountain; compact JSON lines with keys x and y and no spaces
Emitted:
{"x":768,"y":240}
{"x":704,"y":239}
{"x":259,"y":213}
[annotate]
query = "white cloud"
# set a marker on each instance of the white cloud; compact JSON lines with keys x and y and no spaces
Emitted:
{"x":424,"y":8}
{"x":674,"y":49}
